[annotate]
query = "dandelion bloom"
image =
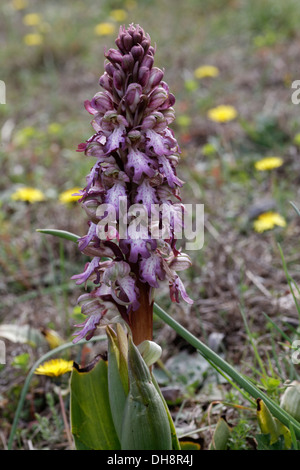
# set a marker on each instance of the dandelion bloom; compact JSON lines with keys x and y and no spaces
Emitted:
{"x":118,"y":15}
{"x":28,"y":195}
{"x":206,"y":71}
{"x":54,"y":368}
{"x":267,"y":221}
{"x":34,"y":39}
{"x":69,"y":195}
{"x":104,"y":29}
{"x":268,"y":163}
{"x":32,"y":19}
{"x":19,"y":4}
{"x":222,"y":113}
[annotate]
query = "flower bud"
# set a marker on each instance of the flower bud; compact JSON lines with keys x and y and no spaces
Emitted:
{"x":137,"y":53}
{"x":156,"y":76}
{"x":180,"y":262}
{"x":115,"y":57}
{"x":127,"y":62}
{"x":150,"y":352}
{"x":147,"y":61}
{"x":158,"y":97}
{"x":102,"y":102}
{"x":118,"y":83}
{"x":143,"y":76}
{"x":109,"y":69}
{"x":105,"y":81}
{"x":127,"y":41}
{"x":132,"y":96}
{"x":290,"y":400}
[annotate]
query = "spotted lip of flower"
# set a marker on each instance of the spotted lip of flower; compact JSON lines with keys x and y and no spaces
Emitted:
{"x":136,"y":157}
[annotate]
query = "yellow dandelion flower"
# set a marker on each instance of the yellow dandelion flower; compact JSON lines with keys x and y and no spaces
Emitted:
{"x":28,"y":195}
{"x":69,"y":195}
{"x":268,"y":163}
{"x":19,"y":4}
{"x":33,"y":39}
{"x":32,"y":19}
{"x":206,"y":71}
{"x":267,"y":221}
{"x":222,"y":113}
{"x":54,"y":367}
{"x":118,"y":15}
{"x":104,"y":29}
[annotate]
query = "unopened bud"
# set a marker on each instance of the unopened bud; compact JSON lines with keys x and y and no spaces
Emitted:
{"x":150,"y":352}
{"x":127,"y":62}
{"x":114,"y":56}
{"x":156,"y":75}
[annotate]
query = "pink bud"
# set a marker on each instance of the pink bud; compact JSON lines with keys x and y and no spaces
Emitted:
{"x":147,"y":61}
{"x":137,"y":52}
{"x":127,"y":41}
{"x":132,"y":96}
{"x":102,"y":102}
{"x":143,"y":76}
{"x":105,"y":81}
{"x":158,"y":97}
{"x":156,"y":76}
{"x":114,"y":56}
{"x":127,"y":62}
{"x":109,"y":68}
{"x":118,"y":82}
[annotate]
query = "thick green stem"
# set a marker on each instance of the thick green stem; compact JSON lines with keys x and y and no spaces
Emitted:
{"x":141,"y":321}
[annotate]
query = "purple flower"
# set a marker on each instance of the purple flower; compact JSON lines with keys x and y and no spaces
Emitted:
{"x":136,"y":157}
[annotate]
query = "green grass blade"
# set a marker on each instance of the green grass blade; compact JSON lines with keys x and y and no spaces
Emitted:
{"x":283,"y":334}
{"x":60,"y":234}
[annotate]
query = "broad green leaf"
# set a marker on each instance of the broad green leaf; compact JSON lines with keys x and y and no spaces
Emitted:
{"x":145,"y":423}
{"x":221,"y":435}
{"x":272,"y":426}
{"x":117,"y":394}
{"x":175,"y":442}
{"x":123,"y":356}
{"x":91,"y":419}
{"x":266,"y":421}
